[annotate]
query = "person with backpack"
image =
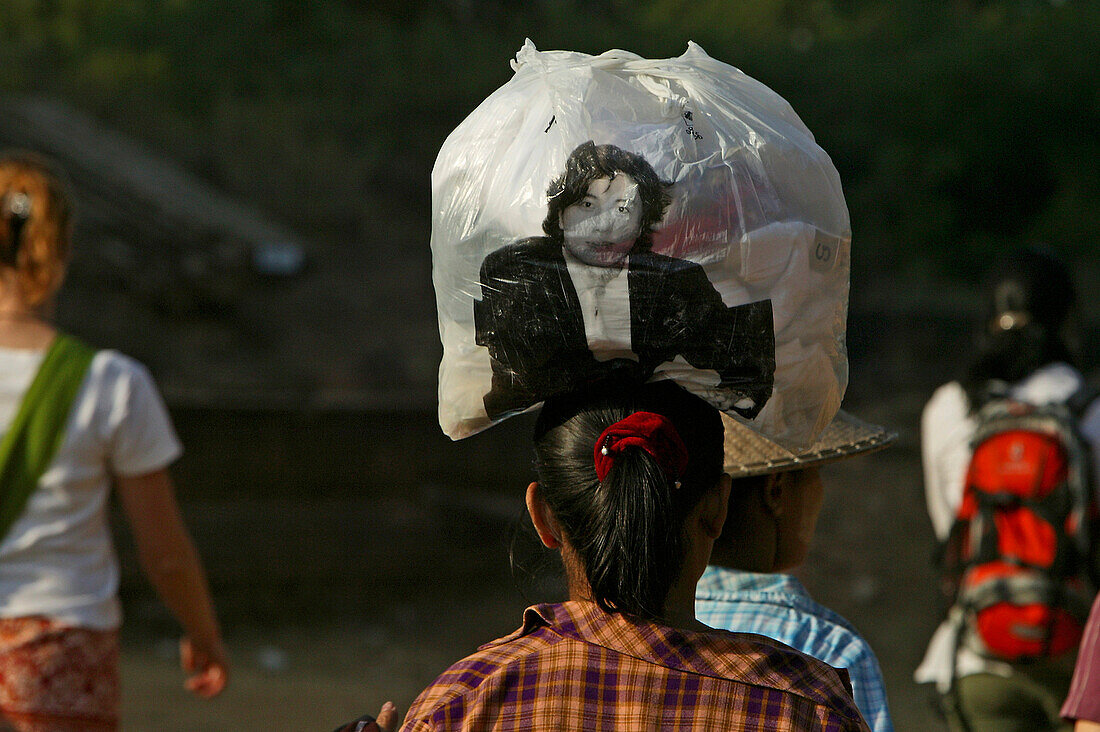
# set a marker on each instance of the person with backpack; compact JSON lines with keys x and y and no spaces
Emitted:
{"x":1009,"y":454}
{"x":75,"y":423}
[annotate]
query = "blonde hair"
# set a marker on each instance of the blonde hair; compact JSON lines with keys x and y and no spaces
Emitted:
{"x":35,"y":225}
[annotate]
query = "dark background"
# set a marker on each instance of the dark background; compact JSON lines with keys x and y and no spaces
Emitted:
{"x":354,"y":551}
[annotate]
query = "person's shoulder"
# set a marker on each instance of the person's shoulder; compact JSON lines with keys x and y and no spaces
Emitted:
{"x":827,"y":617}
{"x":111,"y":365}
{"x":477,"y":677}
{"x":650,"y":260}
{"x":840,"y":642}
{"x":763,"y":661}
{"x":777,"y":606}
{"x":949,"y":399}
{"x":952,"y":391}
{"x":535,"y":247}
{"x":818,"y":696}
{"x":1053,"y":383}
{"x":114,"y":379}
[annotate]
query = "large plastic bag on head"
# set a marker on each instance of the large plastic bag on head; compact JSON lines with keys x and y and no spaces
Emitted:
{"x":613,"y":217}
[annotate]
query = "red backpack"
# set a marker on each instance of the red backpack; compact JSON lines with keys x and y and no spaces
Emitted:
{"x":1019,"y":549}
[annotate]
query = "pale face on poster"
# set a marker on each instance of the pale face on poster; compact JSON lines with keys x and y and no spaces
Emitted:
{"x":600,"y":229}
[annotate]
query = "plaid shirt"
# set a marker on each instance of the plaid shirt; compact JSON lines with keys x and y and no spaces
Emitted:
{"x":573,"y":666}
{"x":778,"y":606}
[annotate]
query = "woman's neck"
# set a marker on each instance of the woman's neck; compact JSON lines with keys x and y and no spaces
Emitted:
{"x":13,"y":304}
{"x":22,"y":326}
{"x":679,"y":609}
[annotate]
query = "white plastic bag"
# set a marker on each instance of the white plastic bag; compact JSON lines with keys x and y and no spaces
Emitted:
{"x":613,"y":217}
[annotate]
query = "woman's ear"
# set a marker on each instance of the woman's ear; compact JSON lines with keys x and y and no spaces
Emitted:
{"x":542,"y":518}
{"x":714,"y":506}
{"x":774,"y":492}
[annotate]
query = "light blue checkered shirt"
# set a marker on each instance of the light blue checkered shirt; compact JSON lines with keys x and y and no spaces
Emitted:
{"x":778,"y":606}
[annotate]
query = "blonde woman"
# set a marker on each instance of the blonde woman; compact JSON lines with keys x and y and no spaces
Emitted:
{"x":75,"y":423}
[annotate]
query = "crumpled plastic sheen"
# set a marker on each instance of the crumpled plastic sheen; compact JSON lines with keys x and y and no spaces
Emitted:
{"x":532,"y":302}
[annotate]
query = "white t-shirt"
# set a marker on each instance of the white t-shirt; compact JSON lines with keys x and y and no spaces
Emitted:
{"x":57,"y":559}
{"x":946,"y":427}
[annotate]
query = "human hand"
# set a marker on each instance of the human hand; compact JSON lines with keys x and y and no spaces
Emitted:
{"x":386,"y":721}
{"x":206,"y":666}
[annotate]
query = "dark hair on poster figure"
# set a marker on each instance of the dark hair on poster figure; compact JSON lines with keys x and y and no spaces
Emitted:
{"x":628,"y":531}
{"x":589,"y":162}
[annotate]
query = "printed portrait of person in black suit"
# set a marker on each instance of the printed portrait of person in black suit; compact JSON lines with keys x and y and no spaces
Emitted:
{"x":589,"y":300}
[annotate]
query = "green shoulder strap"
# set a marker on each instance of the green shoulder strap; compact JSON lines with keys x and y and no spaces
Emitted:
{"x":35,"y":434}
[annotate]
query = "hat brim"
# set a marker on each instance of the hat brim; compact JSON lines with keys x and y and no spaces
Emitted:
{"x":749,"y":453}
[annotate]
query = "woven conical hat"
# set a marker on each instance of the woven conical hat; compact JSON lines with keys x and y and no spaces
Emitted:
{"x":748,"y":453}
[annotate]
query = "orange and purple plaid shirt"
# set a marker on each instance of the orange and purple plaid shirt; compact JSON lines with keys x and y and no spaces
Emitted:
{"x":573,"y":666}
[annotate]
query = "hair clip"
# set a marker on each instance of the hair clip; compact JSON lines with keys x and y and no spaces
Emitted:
{"x":17,"y":205}
{"x":1010,"y":320}
{"x":605,"y":446}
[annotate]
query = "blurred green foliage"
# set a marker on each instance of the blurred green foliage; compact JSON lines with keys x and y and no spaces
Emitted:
{"x":958,"y":127}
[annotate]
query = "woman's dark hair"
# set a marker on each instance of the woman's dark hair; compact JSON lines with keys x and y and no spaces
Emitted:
{"x":589,"y":162}
{"x":628,"y":531}
{"x":1028,"y":299}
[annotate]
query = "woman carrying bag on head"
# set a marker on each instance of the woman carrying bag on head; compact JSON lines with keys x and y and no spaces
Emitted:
{"x":74,"y":423}
{"x":667,"y":287}
{"x":631,"y":493}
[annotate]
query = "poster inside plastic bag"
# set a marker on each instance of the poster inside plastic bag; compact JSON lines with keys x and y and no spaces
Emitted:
{"x":613,"y":217}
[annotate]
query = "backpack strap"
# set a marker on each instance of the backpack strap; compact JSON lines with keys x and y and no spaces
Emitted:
{"x":32,"y":439}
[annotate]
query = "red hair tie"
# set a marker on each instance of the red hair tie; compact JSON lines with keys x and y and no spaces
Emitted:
{"x":651,"y":432}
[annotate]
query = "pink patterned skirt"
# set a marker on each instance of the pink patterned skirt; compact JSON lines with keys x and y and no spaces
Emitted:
{"x":56,"y":677}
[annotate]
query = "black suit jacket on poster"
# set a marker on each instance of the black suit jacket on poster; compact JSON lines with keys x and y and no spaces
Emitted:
{"x":530,"y":319}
